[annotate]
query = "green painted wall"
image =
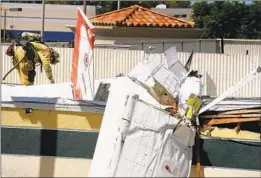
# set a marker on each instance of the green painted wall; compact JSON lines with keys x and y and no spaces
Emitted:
{"x":62,"y":143}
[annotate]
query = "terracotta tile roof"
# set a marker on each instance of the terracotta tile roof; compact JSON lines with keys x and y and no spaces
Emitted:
{"x":138,"y":16}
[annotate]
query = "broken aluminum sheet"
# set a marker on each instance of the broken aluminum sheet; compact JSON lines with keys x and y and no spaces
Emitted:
{"x":48,"y":91}
{"x":152,"y":143}
{"x":51,"y":97}
{"x":169,"y":72}
{"x":171,"y":75}
{"x":61,"y":90}
{"x":155,"y":125}
{"x":174,"y":64}
{"x":252,"y":75}
{"x":233,"y":104}
{"x":141,"y":138}
{"x":103,"y":161}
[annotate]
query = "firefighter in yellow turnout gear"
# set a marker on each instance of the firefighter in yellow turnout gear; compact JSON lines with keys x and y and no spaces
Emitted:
{"x":34,"y":52}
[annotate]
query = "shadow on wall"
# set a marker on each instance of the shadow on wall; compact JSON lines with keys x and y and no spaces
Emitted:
{"x":52,"y":142}
{"x":48,"y":144}
{"x":211,"y":86}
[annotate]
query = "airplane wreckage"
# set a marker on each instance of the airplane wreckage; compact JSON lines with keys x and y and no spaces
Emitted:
{"x":155,"y":122}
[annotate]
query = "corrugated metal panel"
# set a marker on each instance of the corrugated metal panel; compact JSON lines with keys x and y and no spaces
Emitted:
{"x":6,"y":66}
{"x":242,"y":46}
{"x":110,"y":62}
{"x":220,"y":71}
{"x":242,"y":49}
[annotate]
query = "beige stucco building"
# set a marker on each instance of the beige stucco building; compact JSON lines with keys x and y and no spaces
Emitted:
{"x":140,"y":27}
{"x":30,"y":18}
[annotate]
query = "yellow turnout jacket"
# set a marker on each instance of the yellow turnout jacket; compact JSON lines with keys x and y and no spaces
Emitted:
{"x":45,"y":56}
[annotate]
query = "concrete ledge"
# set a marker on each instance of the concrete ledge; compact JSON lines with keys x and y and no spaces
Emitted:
{"x":47,"y":166}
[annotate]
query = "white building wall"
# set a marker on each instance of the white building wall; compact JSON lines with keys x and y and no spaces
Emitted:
{"x":56,"y":16}
{"x":231,"y":46}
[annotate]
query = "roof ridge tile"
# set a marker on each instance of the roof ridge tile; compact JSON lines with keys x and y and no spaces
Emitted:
{"x":138,"y":16}
{"x":108,"y":13}
{"x":136,"y":7}
{"x":169,"y":16}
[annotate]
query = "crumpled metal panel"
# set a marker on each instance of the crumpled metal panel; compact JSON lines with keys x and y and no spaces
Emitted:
{"x":234,"y":103}
{"x":154,"y":144}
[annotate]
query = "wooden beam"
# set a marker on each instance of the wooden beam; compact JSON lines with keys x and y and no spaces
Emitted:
{"x":198,"y":164}
{"x":242,"y":111}
{"x":231,"y":120}
{"x":229,"y":116}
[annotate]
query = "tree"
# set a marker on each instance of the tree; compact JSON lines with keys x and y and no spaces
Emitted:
{"x":225,"y":19}
{"x":201,"y":13}
{"x":228,"y":19}
{"x":251,"y":23}
{"x":178,"y":4}
{"x":55,"y":2}
{"x":108,"y":6}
